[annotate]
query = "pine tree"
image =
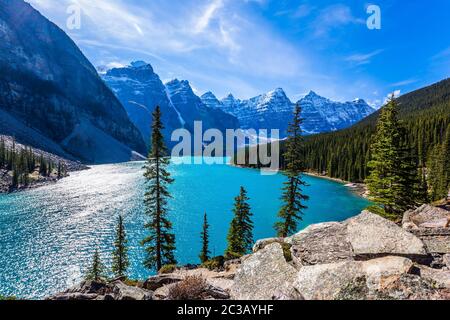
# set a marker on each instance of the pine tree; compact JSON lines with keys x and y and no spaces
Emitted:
{"x":59,"y":174}
{"x":204,"y":255}
{"x":120,"y":253}
{"x":97,"y":269}
{"x":160,"y":244}
{"x":240,"y":234}
{"x":392,"y":178}
{"x":422,"y":190}
{"x":446,"y":160}
{"x":293,"y":197}
{"x":436,"y":176}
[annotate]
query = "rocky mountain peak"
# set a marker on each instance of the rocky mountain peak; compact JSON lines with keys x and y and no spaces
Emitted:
{"x":141,"y":65}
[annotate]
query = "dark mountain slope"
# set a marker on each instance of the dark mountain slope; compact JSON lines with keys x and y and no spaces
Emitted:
{"x":47,"y":84}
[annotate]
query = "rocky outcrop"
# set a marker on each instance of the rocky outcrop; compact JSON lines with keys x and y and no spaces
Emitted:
{"x":431,"y":225}
{"x":264,"y":275}
{"x":321,"y":243}
{"x":115,"y":290}
{"x":371,"y":235}
{"x":426,"y":217}
{"x":363,"y":258}
{"x":339,"y":280}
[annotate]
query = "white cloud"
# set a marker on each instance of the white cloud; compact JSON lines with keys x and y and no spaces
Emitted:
{"x":395,"y":93}
{"x":332,"y":17}
{"x":363,"y":58}
{"x":404,"y":83}
{"x":207,"y":15}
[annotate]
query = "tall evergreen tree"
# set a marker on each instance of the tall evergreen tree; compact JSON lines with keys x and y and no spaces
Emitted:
{"x":293,"y":197}
{"x":120,"y":253}
{"x":97,"y":269}
{"x":240,"y":234}
{"x":422,"y":190}
{"x":160,"y":244}
{"x":392,"y":178}
{"x":446,"y":159}
{"x":204,"y":254}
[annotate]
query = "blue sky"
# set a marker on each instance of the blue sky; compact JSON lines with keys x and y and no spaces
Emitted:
{"x":248,"y":47}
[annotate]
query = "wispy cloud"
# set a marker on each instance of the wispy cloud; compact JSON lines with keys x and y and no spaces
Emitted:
{"x":404,"y":82}
{"x":363,"y":58}
{"x":332,"y":17}
{"x":442,"y":54}
{"x":208,"y":14}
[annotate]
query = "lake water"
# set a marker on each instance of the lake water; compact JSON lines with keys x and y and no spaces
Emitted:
{"x":48,"y":235}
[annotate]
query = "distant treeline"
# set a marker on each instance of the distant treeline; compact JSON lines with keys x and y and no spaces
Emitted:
{"x":344,"y":154}
{"x":23,"y":163}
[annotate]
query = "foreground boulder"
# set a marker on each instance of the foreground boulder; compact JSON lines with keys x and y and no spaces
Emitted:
{"x":350,"y":279}
{"x":363,"y":237}
{"x":432,"y":226}
{"x":426,"y":217}
{"x":265,"y":275}
{"x":320,"y":244}
{"x":371,"y":235}
{"x":94,"y":290}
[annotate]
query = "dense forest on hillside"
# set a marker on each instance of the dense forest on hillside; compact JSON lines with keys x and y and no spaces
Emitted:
{"x":344,"y":154}
{"x":20,"y":167}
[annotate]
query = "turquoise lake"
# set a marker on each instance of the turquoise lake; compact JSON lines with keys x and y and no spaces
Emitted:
{"x":48,"y":235}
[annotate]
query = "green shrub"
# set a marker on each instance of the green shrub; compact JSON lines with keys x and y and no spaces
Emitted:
{"x":168,"y":268}
{"x":214,"y":263}
{"x":287,"y":251}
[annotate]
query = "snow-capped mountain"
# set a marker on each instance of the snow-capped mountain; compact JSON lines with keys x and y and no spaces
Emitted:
{"x":267,"y":111}
{"x":192,"y":108}
{"x":273,"y":110}
{"x":140,"y":90}
{"x":323,"y":115}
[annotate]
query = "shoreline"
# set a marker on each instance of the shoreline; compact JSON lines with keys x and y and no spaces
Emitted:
{"x":41,"y":182}
{"x":358,"y":188}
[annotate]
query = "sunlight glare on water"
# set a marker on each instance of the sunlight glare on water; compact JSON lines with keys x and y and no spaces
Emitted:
{"x":48,"y":235}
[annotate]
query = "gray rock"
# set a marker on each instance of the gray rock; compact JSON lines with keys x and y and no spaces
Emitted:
{"x":371,"y":235}
{"x":440,"y":277}
{"x":263,"y":274}
{"x":436,"y":240}
{"x":289,"y":294}
{"x":446,"y":260}
{"x":380,"y":271}
{"x":327,"y":281}
{"x":426,"y":216}
{"x":261,"y":244}
{"x":93,"y":290}
{"x":352,"y":280}
{"x":411,"y":287}
{"x":156,"y":282}
{"x":122,"y":291}
{"x":321,"y":243}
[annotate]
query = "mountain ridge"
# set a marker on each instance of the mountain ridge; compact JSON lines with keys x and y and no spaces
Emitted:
{"x":274,"y":110}
{"x":49,"y":86}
